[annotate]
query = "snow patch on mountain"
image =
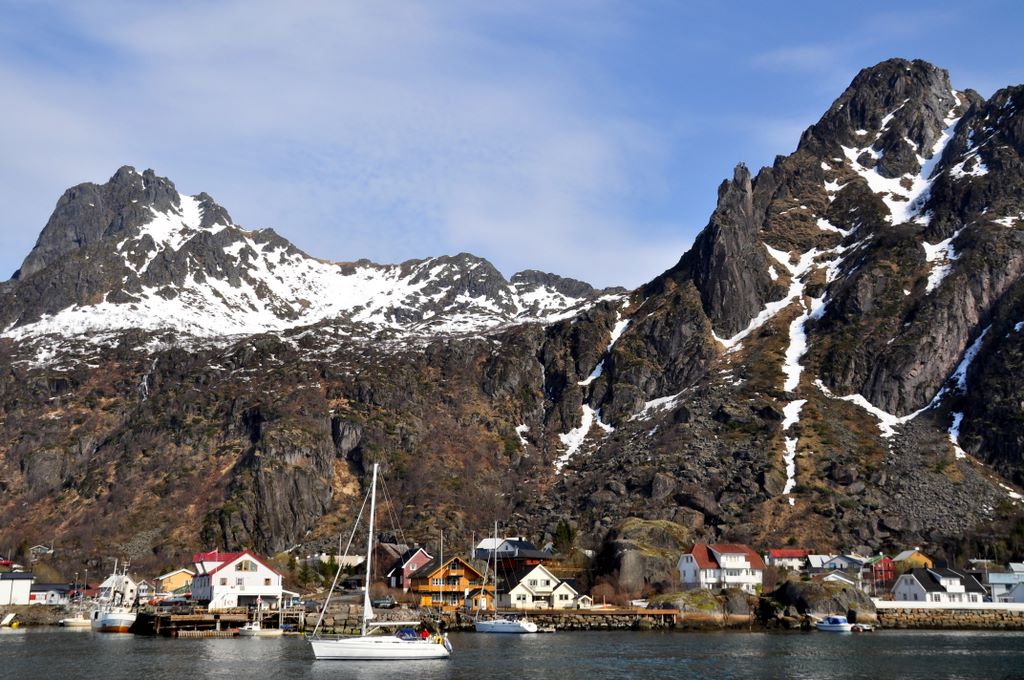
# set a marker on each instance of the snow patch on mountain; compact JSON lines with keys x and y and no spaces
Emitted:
{"x":903,"y":202}
{"x":941,"y":255}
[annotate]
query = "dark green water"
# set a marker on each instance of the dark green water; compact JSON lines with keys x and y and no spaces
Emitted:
{"x":68,"y":654}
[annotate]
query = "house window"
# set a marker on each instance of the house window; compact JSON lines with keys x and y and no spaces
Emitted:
{"x":563,"y":596}
{"x":239,"y":581}
{"x":412,"y":567}
{"x":546,"y":582}
{"x":245,"y":565}
{"x":437,"y":581}
{"x":266,"y":581}
{"x":223,"y":581}
{"x":533,"y":581}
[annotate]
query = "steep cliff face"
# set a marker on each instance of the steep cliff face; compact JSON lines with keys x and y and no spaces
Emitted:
{"x":833,"y":362}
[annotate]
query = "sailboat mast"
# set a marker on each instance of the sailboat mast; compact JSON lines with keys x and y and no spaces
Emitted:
{"x":367,"y":609}
{"x":494,"y":553}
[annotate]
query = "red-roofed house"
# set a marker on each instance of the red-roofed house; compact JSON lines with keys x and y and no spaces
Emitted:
{"x":721,"y":565}
{"x":234,"y":579}
{"x":788,"y":558}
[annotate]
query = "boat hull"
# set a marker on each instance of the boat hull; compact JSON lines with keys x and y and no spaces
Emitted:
{"x":835,"y":624}
{"x":112,"y":622}
{"x":261,"y":632}
{"x":505,"y":626}
{"x":371,"y":648}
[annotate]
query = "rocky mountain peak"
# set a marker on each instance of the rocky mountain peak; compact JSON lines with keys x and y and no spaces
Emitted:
{"x":893,"y":113}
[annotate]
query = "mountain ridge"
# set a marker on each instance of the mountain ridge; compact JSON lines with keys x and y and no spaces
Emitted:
{"x":830,"y":364}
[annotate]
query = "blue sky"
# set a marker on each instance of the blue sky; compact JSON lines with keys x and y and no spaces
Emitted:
{"x":583,"y":138}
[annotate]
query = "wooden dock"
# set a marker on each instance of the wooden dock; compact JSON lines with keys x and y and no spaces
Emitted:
{"x":191,"y":623}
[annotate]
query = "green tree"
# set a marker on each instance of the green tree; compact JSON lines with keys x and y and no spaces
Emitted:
{"x":565,"y":537}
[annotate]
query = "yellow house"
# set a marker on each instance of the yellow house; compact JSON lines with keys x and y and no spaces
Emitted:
{"x":445,"y":585}
{"x":173,"y":580}
{"x":910,"y":559}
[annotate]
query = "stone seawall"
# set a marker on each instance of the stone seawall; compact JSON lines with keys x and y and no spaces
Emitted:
{"x":963,"y":619}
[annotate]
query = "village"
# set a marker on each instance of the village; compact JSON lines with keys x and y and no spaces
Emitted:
{"x":220,"y":591}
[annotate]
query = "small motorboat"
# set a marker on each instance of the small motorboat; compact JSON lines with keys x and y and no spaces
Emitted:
{"x":255,"y":629}
{"x":834,"y":624}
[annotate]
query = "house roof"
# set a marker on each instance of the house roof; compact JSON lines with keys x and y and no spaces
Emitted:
{"x":404,"y":559}
{"x":176,"y":571}
{"x":428,"y":569}
{"x":790,"y":553}
{"x":929,"y":580}
{"x":229,"y":558}
{"x":705,"y":555}
{"x":42,"y":587}
{"x":906,"y":554}
{"x":16,"y":576}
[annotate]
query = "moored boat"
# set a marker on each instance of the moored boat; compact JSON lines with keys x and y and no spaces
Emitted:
{"x":834,"y":624}
{"x":373,"y":643}
{"x":505,"y":625}
{"x":114,"y":613}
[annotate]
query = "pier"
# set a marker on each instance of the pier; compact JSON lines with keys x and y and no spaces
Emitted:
{"x":190,"y":622}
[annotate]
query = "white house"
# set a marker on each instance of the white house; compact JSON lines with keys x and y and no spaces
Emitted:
{"x":937,"y":585}
{"x":50,"y":593}
{"x":817,"y":562}
{"x":1016,"y":594}
{"x":845,"y":562}
{"x":15,"y":587}
{"x":721,"y":565}
{"x":793,"y":559}
{"x":120,"y":588}
{"x":242,"y":579}
{"x":537,"y":588}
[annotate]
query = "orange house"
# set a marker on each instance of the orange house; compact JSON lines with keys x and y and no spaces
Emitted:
{"x":445,"y":585}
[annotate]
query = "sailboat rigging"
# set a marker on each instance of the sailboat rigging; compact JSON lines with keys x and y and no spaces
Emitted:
{"x":372,"y":643}
{"x":500,"y":624}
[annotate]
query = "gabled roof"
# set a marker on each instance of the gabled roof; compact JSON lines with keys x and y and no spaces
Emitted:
{"x":787,"y":553}
{"x":226,"y":559}
{"x":906,"y":554}
{"x":59,"y":587}
{"x":434,"y":565}
{"x":930,"y":580}
{"x":406,"y":557}
{"x":176,"y":571}
{"x":706,"y":558}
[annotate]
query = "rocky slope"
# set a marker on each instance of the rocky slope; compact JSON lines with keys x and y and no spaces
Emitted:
{"x":832,"y":363}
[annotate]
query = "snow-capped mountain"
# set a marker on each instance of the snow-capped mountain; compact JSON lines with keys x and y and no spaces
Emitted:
{"x":177,"y":262}
{"x":833,"y":363}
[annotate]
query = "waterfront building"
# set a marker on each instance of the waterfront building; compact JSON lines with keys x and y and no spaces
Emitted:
{"x":721,"y":565}
{"x":536,"y":588}
{"x":937,"y":585}
{"x":15,"y":587}
{"x":224,"y":580}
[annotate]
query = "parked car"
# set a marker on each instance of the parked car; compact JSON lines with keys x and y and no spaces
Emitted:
{"x":386,"y":602}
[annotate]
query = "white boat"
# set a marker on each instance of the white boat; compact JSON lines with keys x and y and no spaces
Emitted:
{"x":504,"y":625}
{"x":114,"y":614}
{"x":81,"y":620}
{"x":834,"y":624}
{"x":256,"y":629}
{"x":500,"y":624}
{"x":375,"y":642}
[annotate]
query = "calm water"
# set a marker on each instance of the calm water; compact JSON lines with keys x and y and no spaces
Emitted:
{"x":68,"y":654}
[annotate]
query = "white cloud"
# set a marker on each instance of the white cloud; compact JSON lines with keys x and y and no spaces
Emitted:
{"x":401,"y":128}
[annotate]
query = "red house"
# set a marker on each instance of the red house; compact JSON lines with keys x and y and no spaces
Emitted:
{"x":879,"y":572}
{"x":402,"y":570}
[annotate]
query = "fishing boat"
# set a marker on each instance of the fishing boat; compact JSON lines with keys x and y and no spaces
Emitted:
{"x":834,"y":624}
{"x":114,"y":613}
{"x":495,"y":623}
{"x":377,"y":641}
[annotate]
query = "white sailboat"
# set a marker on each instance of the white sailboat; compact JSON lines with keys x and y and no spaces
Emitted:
{"x":375,"y":642}
{"x":114,"y":614}
{"x":500,"y":624}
